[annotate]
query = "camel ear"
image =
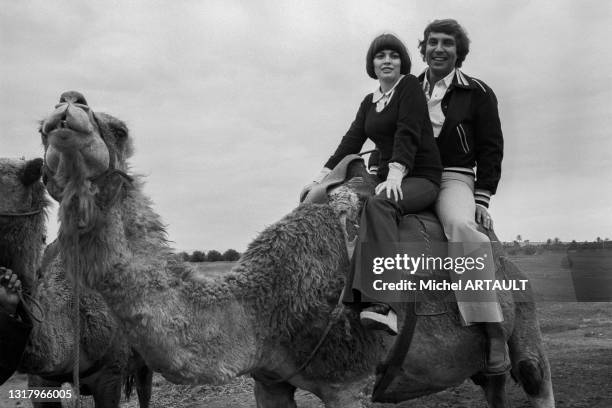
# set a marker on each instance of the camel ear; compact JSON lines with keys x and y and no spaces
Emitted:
{"x":32,"y":171}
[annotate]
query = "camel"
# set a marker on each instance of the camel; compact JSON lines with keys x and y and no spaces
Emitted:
{"x":266,"y":316}
{"x":106,"y":359}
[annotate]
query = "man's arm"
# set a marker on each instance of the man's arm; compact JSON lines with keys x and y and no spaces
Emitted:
{"x":489,"y":148}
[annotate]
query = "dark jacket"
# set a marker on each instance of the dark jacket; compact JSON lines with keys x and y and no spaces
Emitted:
{"x":471,"y":135}
{"x":14,"y":335}
{"x":402,"y":132}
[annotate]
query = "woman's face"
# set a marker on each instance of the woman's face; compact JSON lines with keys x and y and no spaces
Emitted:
{"x":387,"y":65}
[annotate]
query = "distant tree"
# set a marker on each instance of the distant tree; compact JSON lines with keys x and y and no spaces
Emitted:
{"x":530,"y":250}
{"x":197,"y":256}
{"x":557,"y":241}
{"x":183,"y":256}
{"x":519,"y":238}
{"x":231,"y":255}
{"x":548,"y":242}
{"x":214,"y":256}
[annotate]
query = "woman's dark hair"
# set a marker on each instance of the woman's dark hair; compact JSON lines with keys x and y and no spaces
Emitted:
{"x":450,"y":27}
{"x":387,"y":42}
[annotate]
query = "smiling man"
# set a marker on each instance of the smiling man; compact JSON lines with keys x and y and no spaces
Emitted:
{"x":463,"y":112}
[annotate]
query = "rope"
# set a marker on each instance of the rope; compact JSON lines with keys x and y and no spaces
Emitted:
{"x":76,"y":273}
{"x":22,"y":214}
{"x":34,"y":302}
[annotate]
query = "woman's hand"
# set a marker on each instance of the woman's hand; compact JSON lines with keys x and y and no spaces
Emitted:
{"x":393,"y":184}
{"x":393,"y":187}
{"x":322,"y":174}
{"x":306,"y":190}
{"x":483,"y":217}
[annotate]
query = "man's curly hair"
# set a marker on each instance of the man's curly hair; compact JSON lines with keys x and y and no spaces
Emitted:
{"x":451,"y":27}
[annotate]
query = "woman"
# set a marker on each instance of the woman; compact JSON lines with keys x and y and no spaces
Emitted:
{"x":396,"y":119}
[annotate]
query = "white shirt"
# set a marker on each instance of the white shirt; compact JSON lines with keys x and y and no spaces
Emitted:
{"x":382,"y":99}
{"x":434,"y":102}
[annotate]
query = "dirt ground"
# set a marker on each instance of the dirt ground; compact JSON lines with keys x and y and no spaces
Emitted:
{"x":578,"y":337}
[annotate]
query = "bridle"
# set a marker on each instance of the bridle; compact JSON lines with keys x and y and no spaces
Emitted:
{"x":21,"y":214}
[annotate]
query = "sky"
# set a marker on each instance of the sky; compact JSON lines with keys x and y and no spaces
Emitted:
{"x":235,"y":105}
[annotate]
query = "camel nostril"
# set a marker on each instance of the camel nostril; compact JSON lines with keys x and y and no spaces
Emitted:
{"x":73,"y":97}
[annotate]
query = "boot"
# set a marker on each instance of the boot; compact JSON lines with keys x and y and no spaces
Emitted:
{"x":497,"y":358}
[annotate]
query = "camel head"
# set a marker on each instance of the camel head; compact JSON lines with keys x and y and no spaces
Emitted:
{"x":22,"y":192}
{"x":22,"y":216}
{"x":85,"y":156}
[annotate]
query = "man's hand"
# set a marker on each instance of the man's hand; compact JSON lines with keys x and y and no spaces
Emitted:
{"x":483,"y":217}
{"x":10,"y":287}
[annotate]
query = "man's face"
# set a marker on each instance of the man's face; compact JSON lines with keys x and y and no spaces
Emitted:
{"x":440,"y":54}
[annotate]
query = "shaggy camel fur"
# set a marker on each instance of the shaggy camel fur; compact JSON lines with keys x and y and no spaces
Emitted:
{"x":266,"y":316}
{"x":105,"y":354}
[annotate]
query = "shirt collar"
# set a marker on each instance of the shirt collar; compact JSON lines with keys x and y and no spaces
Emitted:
{"x":447,"y":80}
{"x":378,"y":94}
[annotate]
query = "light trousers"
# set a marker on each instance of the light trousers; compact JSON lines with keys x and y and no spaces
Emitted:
{"x":456,"y":209}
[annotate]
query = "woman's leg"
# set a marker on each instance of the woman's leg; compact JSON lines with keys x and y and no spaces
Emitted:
{"x":379,"y":233}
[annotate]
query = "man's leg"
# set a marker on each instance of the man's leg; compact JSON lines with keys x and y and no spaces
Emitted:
{"x":456,"y":210}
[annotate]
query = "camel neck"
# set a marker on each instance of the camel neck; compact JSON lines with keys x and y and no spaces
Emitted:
{"x":189,"y":330}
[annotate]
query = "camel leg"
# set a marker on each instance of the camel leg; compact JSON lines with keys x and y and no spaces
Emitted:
{"x":35,"y":381}
{"x":144,"y":383}
{"x":279,"y":395}
{"x":494,"y":388}
{"x":530,"y":365}
{"x":105,"y":386}
{"x":534,"y":376}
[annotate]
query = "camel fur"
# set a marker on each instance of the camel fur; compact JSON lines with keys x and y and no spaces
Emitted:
{"x":263,"y":318}
{"x":48,"y":357}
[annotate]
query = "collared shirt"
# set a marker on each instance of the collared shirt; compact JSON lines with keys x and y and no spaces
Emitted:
{"x":382,"y":99}
{"x":434,"y":101}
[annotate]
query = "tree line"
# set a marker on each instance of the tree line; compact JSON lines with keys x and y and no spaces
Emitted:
{"x":521,"y":246}
{"x":231,"y":255}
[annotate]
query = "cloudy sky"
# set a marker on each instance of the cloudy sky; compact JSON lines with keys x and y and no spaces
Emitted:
{"x":235,"y":105}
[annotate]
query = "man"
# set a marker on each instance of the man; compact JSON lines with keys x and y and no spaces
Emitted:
{"x":467,"y":129}
{"x":14,"y":324}
{"x":463,"y":112}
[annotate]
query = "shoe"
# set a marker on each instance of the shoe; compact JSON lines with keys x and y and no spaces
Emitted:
{"x":498,"y":357}
{"x":379,"y":317}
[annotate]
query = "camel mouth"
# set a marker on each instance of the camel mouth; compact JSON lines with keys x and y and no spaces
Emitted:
{"x":76,"y":117}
